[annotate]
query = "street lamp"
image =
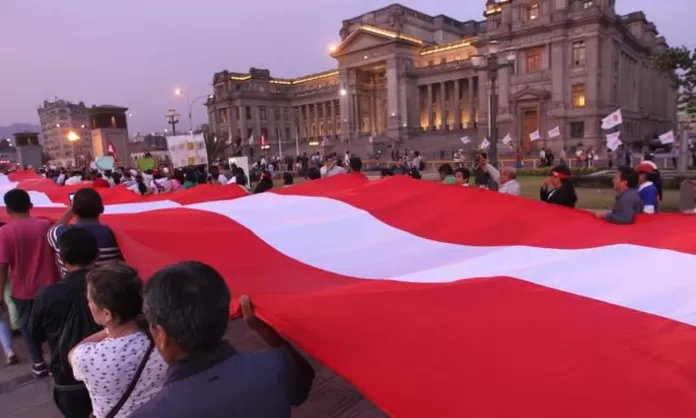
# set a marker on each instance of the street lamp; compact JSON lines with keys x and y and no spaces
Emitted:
{"x":491,"y":64}
{"x":190,"y":103}
{"x":73,"y":137}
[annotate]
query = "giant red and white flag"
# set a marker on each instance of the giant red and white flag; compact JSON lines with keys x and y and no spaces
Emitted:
{"x":540,"y":311}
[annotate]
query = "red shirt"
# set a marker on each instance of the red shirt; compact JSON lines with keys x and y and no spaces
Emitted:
{"x":359,"y":174}
{"x":24,"y":248}
{"x":100,"y":183}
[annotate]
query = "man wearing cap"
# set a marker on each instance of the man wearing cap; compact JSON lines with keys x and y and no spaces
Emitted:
{"x":646,"y":189}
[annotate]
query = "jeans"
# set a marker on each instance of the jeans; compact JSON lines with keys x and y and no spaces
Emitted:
{"x":33,"y":347}
{"x":5,"y":334}
{"x":11,"y":308}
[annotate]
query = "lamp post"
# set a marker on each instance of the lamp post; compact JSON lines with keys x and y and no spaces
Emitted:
{"x":73,"y":137}
{"x":172,"y":119}
{"x":190,"y":103}
{"x":490,"y":64}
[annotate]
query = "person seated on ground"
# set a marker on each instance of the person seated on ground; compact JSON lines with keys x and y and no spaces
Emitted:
{"x":461,"y":176}
{"x":356,"y":167}
{"x":187,"y":306}
{"x":558,"y":189}
{"x":265,"y":183}
{"x":86,"y":206}
{"x":509,"y":183}
{"x":446,"y":174}
{"x":647,"y":191}
{"x":288,"y":179}
{"x":627,"y":204}
{"x":61,"y":317}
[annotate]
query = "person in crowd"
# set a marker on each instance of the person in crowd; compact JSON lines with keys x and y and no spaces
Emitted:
{"x":119,"y":365}
{"x":446,"y":174}
{"x":86,"y":207}
{"x":417,"y":161}
{"x":330,"y":168}
{"x":187,"y":306}
{"x":190,"y":180}
{"x":313,"y":173}
{"x":141,"y":187}
{"x":484,"y":172}
{"x":461,"y":176}
{"x":356,"y":164}
{"x":509,"y":183}
{"x":265,"y":183}
{"x":214,"y":177}
{"x":176,"y":181}
{"x":128,"y":179}
{"x":558,"y":189}
{"x":27,"y":262}
{"x":61,"y":317}
{"x":647,"y":191}
{"x":74,"y":179}
{"x":414,"y":173}
{"x":627,"y":204}
{"x":288,"y":179}
{"x":100,"y":182}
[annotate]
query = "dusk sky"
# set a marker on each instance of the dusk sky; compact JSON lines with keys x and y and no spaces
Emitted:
{"x":136,"y":52}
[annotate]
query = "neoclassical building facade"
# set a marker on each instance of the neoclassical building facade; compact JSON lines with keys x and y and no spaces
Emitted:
{"x":405,"y":80}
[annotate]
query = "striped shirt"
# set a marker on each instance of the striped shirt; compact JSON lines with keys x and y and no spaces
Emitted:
{"x":109,"y":250}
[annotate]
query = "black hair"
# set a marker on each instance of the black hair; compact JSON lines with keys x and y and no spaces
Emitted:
{"x":313,"y":173}
{"x":17,"y":201}
{"x":465,"y":172}
{"x":78,"y":247}
{"x":287,"y":178}
{"x":630,"y":176}
{"x":87,"y":204}
{"x":118,"y":288}
{"x":355,"y":164}
{"x":446,"y":169}
{"x":191,"y":302}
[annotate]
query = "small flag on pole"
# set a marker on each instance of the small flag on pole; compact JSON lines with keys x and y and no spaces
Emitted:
{"x":613,"y":140}
{"x":535,"y":136}
{"x":484,"y":144}
{"x":465,"y":140}
{"x":555,"y":132}
{"x":507,"y":139}
{"x":667,"y":138}
{"x":612,"y":120}
{"x":251,"y":139}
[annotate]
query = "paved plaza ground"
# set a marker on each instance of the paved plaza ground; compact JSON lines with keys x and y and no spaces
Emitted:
{"x":22,"y":396}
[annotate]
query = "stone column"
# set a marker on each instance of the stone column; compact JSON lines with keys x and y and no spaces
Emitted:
{"x":457,"y":105}
{"x":470,"y":102}
{"x":443,"y":105}
{"x":393,"y":100}
{"x":482,"y":98}
{"x":230,"y":125}
{"x":325,"y":118}
{"x":243,"y":127}
{"x":431,"y":116}
{"x":346,"y":118}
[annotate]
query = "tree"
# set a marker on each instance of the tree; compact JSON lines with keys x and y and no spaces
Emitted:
{"x":215,"y":147}
{"x":680,"y":64}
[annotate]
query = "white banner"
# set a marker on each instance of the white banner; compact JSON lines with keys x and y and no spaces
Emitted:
{"x":186,"y":150}
{"x":613,"y":140}
{"x":614,"y":119}
{"x":507,"y":139}
{"x":484,"y":144}
{"x":667,"y":138}
{"x":465,"y":140}
{"x":555,"y":132}
{"x":535,"y":136}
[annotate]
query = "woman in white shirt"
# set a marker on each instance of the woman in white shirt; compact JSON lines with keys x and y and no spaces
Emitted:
{"x":108,"y":362}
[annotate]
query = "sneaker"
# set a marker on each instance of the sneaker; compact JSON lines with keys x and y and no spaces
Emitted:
{"x":39,"y":370}
{"x":10,"y":358}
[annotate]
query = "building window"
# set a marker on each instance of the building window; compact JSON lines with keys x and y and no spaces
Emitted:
{"x":577,"y":130}
{"x":578,"y":94}
{"x":587,"y":4}
{"x":579,"y":54}
{"x":262,"y":113}
{"x":532,"y":12}
{"x":247,"y":111}
{"x":533,"y":60}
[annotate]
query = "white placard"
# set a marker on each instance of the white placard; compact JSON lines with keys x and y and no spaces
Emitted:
{"x":187,"y":150}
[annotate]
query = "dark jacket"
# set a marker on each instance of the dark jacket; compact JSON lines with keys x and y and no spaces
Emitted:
{"x":224,"y":383}
{"x":626,"y":206}
{"x":564,"y":195}
{"x":61,"y":317}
